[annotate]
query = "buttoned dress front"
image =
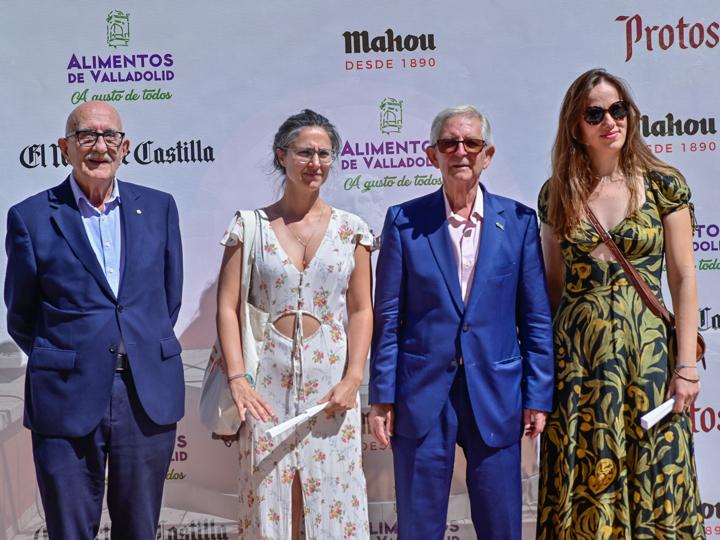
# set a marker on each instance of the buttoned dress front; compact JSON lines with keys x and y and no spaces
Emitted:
{"x":293,"y":374}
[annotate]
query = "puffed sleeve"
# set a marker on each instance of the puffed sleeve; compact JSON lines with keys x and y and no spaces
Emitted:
{"x":672,"y":193}
{"x":364,"y":235}
{"x":542,"y":202}
{"x":234,"y":232}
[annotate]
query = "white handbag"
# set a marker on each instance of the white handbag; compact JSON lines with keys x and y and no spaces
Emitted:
{"x":218,"y":411}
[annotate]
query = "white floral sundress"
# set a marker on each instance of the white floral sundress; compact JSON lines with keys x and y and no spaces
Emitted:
{"x":293,"y":373}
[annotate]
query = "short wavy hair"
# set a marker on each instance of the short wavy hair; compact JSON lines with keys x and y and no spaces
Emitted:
{"x":460,"y":110}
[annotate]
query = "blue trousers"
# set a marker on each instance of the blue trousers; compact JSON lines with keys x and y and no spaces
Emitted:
{"x":71,"y":472}
{"x":423,"y":473}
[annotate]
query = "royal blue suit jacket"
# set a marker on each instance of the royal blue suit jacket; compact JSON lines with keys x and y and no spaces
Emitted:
{"x":423,"y":328}
{"x":62,"y":312}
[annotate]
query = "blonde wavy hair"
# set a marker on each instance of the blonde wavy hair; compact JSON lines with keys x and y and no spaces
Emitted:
{"x":572,"y":179}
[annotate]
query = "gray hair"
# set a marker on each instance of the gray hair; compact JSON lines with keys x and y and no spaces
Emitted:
{"x":291,"y":128}
{"x":460,"y":110}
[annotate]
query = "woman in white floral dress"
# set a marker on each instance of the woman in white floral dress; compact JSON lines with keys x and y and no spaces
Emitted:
{"x":311,"y":274}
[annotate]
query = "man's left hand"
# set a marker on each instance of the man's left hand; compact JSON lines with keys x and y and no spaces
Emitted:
{"x":533,"y":422}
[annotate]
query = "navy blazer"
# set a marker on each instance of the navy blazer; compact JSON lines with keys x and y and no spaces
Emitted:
{"x":62,"y":312}
{"x":423,"y":328}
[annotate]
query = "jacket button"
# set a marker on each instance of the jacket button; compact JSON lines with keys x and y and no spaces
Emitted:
{"x":465,"y":327}
{"x":113,"y":349}
{"x":453,"y":364}
{"x":119,"y":307}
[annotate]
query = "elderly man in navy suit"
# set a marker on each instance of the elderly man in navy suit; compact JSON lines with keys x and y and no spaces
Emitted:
{"x":93,"y":288}
{"x":462,"y":349}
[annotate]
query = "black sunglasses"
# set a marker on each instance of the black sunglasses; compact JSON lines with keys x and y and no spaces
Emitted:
{"x":595,"y":115}
{"x":448,"y":146}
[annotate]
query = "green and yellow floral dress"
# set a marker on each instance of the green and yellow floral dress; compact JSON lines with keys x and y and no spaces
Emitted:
{"x":602,"y":476}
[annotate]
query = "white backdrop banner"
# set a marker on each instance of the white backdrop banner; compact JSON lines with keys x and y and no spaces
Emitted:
{"x":202,"y":89}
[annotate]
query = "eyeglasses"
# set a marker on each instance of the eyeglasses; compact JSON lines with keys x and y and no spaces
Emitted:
{"x":595,"y":115}
{"x":89,"y":137}
{"x":305,"y":155}
{"x":448,"y":146}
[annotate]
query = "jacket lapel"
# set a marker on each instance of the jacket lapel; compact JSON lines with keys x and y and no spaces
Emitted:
{"x":132,"y":227}
{"x":67,"y":219}
{"x":491,"y":237}
{"x":440,"y":244}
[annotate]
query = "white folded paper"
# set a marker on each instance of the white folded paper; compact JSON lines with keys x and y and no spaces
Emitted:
{"x":287,"y":424}
{"x":650,"y":418}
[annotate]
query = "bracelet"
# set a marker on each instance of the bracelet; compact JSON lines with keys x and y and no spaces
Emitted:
{"x":694,"y":381}
{"x":684,"y":366}
{"x":249,"y":378}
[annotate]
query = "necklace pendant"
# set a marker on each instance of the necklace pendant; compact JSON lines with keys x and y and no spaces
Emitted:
{"x":305,"y":265}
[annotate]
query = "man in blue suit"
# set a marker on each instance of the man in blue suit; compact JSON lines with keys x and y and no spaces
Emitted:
{"x":462,"y":348}
{"x":93,"y":287}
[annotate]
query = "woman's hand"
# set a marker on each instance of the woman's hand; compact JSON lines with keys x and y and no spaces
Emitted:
{"x":685,"y":392}
{"x":343,"y":396}
{"x":247,"y":399}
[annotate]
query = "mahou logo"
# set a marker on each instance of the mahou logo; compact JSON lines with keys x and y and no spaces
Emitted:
{"x":669,"y":126}
{"x":360,"y":42}
{"x":683,"y":35}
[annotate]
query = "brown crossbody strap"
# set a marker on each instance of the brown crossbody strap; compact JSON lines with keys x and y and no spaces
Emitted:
{"x":641,"y":286}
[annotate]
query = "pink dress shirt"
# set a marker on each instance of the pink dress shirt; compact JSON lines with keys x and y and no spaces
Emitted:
{"x":465,"y":239}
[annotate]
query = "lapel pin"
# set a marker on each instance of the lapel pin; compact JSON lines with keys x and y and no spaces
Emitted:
{"x":500,"y":225}
{"x":138,"y":211}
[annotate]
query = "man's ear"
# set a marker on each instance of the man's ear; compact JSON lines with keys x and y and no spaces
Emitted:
{"x":125,"y":147}
{"x":62,"y":143}
{"x":431,"y":154}
{"x":487,"y":158}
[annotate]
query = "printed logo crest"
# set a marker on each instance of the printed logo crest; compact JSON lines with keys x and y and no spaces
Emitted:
{"x":391,"y":116}
{"x":118,"y":29}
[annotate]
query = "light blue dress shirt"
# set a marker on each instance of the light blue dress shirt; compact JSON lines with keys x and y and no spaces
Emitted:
{"x":104,"y":231}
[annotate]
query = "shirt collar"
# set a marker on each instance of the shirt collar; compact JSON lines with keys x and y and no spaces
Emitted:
{"x":80,"y":196}
{"x":476,"y":214}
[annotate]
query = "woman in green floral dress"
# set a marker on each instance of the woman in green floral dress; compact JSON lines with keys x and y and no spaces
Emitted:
{"x":602,"y":476}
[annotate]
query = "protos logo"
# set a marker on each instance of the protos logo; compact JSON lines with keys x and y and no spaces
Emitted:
{"x":683,"y":35}
{"x":705,"y":419}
